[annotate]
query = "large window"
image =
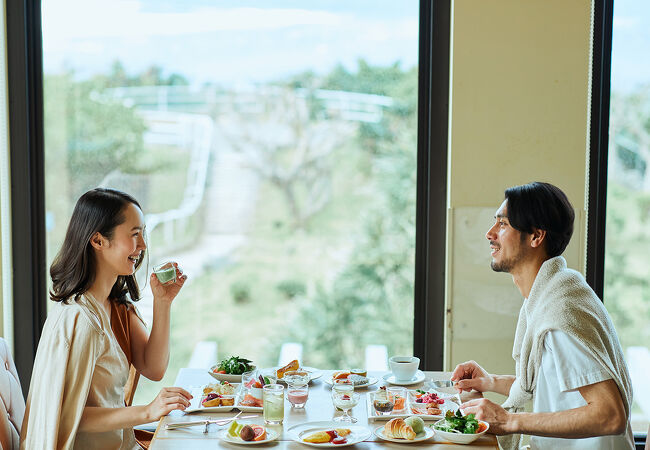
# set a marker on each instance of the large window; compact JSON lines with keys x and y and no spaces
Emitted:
{"x":272,"y":146}
{"x":627,"y":266}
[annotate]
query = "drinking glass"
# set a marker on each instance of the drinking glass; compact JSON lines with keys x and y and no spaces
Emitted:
{"x":345,"y":402}
{"x":165,"y":272}
{"x":273,"y":404}
{"x":397,"y":395}
{"x":382,"y":404}
{"x":297,"y":387}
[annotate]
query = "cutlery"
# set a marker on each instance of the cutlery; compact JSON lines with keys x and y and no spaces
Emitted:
{"x":173,"y":426}
{"x":446,"y":384}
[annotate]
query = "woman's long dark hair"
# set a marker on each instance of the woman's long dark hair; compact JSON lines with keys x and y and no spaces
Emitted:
{"x":73,"y":270}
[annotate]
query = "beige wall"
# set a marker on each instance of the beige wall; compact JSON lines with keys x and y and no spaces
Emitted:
{"x":519,"y":87}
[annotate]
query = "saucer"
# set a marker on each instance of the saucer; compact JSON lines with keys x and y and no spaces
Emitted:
{"x":418,"y":378}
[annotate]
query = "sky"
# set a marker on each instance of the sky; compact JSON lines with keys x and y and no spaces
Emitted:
{"x":249,"y":41}
{"x":227,"y":41}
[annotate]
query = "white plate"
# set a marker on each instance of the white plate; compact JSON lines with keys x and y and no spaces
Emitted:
{"x":358,"y":433}
{"x":313,"y":373}
{"x":423,"y":436}
{"x":270,"y":436}
{"x":371,"y":381}
{"x":418,"y":378}
{"x":225,"y":376}
{"x":197,"y":396}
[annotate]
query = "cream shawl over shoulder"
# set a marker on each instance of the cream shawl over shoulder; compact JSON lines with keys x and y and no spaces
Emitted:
{"x":560,"y":299}
{"x":79,"y":363}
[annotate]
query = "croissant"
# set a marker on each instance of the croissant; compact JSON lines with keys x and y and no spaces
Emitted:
{"x":398,"y":429}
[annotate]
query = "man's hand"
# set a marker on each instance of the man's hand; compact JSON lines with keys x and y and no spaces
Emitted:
{"x":469,"y":375}
{"x":488,"y":411}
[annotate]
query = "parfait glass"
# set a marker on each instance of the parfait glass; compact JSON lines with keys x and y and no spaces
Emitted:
{"x":345,"y":401}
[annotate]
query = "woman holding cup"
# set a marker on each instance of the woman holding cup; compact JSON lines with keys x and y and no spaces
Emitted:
{"x":94,"y":334}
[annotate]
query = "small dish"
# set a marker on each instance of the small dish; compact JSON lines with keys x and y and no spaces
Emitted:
{"x":313,"y":373}
{"x":271,"y":435}
{"x":418,"y":378}
{"x":460,"y":438}
{"x":423,"y":436}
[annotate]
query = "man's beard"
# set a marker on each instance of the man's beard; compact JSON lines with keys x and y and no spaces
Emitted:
{"x":508,"y":264}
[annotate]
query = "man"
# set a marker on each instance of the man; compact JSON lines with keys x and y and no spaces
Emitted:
{"x":568,"y":357}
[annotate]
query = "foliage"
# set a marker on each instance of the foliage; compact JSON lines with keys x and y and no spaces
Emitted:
{"x":627,"y":289}
{"x":240,"y":291}
{"x":292,"y":288}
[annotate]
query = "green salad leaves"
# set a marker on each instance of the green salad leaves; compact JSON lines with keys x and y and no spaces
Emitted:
{"x":457,"y":423}
{"x":235,"y":365}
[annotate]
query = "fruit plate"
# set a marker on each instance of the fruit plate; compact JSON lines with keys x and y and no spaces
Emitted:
{"x":270,"y":436}
{"x":370,"y":382}
{"x":410,"y":411}
{"x":299,"y":432}
{"x":427,"y":433}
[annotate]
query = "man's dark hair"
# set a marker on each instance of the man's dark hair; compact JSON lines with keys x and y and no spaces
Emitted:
{"x":545,"y":207}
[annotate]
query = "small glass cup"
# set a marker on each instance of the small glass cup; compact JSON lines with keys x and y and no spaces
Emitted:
{"x":165,"y":272}
{"x":345,"y":401}
{"x":273,"y":404}
{"x":270,"y":375}
{"x":381,"y":403}
{"x":298,"y":396}
{"x":343,"y":385}
{"x":397,"y":395}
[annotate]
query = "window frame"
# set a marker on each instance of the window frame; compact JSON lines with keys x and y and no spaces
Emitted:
{"x":25,"y":85}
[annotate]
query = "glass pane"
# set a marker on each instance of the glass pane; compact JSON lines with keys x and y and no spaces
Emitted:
{"x":627,"y":286}
{"x":273,"y":148}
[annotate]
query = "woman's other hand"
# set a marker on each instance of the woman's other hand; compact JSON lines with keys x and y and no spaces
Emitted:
{"x":168,"y":291}
{"x":469,"y":375}
{"x":167,"y":400}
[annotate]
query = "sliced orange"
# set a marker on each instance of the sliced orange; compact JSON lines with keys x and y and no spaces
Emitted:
{"x":260,"y":433}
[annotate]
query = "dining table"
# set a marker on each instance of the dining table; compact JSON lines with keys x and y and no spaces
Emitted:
{"x":319,"y":408}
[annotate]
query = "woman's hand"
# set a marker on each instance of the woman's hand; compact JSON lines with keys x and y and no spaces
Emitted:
{"x":168,"y":291}
{"x":167,"y":400}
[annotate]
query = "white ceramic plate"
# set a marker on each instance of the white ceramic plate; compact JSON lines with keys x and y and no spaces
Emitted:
{"x":371,"y":381}
{"x":225,"y":376}
{"x":423,"y":436}
{"x":270,"y":436}
{"x":313,"y":373}
{"x":358,"y":433}
{"x":418,"y":378}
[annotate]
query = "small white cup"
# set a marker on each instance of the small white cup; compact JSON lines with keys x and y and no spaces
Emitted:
{"x":404,"y":367}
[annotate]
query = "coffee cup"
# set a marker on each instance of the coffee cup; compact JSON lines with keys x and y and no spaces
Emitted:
{"x":404,"y":367}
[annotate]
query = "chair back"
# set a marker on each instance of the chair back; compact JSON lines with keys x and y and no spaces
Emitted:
{"x":12,"y":403}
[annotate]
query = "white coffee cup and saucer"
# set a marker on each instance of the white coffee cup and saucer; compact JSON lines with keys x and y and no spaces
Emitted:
{"x":404,"y":371}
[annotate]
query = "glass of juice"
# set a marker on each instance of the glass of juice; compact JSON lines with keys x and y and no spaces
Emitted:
{"x":273,"y":404}
{"x":165,"y":272}
{"x":297,"y":387}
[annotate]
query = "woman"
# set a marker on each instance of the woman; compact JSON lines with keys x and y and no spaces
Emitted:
{"x":76,"y":397}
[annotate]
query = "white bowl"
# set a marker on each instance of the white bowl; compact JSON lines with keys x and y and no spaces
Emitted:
{"x":458,"y":438}
{"x":225,"y":376}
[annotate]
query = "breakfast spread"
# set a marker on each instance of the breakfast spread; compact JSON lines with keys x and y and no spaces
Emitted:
{"x":398,"y":429}
{"x":336,"y":436}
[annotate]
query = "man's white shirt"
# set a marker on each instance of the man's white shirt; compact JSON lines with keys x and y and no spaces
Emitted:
{"x":567,"y":366}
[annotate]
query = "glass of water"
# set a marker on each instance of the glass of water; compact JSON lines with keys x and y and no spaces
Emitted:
{"x":273,"y":403}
